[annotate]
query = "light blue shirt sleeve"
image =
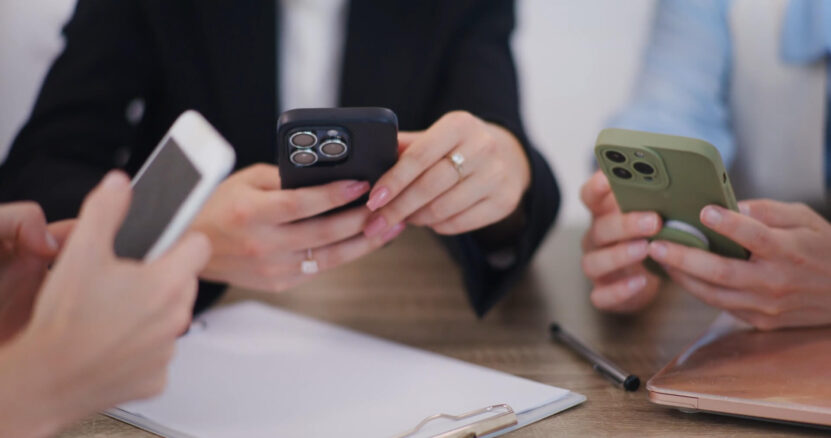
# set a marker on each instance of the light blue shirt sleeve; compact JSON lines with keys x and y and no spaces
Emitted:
{"x":683,"y":85}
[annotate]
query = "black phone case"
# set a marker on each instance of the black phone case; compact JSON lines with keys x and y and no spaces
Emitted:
{"x":373,"y":137}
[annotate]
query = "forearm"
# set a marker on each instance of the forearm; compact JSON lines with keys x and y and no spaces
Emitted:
{"x":36,"y":397}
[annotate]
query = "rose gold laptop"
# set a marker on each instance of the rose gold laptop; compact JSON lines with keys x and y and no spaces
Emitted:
{"x":781,"y":375}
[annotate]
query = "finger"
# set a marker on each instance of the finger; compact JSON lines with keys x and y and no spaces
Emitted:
{"x":615,"y":227}
{"x":283,"y":206}
{"x":188,"y":257}
{"x":484,"y":213}
{"x":429,"y":186}
{"x":724,"y":271}
{"x":724,"y":298}
{"x":779,"y":214}
{"x":262,"y":176}
{"x":61,"y":230}
{"x":604,"y":261}
{"x":594,"y":194}
{"x":425,"y":151}
{"x":102,"y":213}
{"x":406,"y":138}
{"x":456,"y":200}
{"x":757,"y":237}
{"x":317,"y":232}
{"x":626,"y":295}
{"x":25,"y":224}
{"x":341,"y":253}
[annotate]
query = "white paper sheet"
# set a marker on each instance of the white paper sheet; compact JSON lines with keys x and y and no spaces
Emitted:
{"x":250,"y":370}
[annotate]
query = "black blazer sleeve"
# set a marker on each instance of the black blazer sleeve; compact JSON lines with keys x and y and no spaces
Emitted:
{"x":482,"y":79}
{"x":84,"y":121}
{"x":79,"y":128}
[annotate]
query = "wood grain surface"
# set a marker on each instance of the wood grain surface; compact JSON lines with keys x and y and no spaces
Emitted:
{"x":410,"y":292}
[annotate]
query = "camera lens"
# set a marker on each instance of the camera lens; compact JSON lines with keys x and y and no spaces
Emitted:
{"x":622,"y":173}
{"x":303,"y":139}
{"x":303,"y":158}
{"x":615,"y":156}
{"x":644,"y":168}
{"x":333,"y":148}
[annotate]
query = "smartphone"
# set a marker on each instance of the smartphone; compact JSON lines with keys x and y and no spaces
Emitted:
{"x":172,"y":185}
{"x":320,"y":145}
{"x":673,"y":176}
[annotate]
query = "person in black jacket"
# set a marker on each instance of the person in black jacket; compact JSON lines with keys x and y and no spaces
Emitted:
{"x":445,"y":67}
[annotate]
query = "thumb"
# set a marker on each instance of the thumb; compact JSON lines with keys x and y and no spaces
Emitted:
{"x":189,"y":256}
{"x":61,"y":230}
{"x":25,"y":224}
{"x":102,"y":213}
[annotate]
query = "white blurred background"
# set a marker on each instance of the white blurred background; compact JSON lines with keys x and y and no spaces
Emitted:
{"x":577,"y":60}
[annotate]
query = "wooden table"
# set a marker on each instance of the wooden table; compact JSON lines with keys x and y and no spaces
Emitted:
{"x":410,"y":292}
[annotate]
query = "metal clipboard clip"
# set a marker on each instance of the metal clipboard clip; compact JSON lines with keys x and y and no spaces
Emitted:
{"x":503,"y":418}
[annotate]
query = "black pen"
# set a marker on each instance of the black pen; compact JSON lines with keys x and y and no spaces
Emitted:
{"x":605,"y":367}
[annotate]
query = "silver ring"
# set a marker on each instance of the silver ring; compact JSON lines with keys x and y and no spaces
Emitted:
{"x":457,"y":160}
{"x":309,"y":266}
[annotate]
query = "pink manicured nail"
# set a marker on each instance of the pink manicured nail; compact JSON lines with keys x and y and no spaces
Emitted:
{"x":375,"y":227}
{"x":393,"y":232}
{"x":378,"y":198}
{"x":712,"y":216}
{"x":356,"y":189}
{"x":658,"y":250}
{"x":637,"y":283}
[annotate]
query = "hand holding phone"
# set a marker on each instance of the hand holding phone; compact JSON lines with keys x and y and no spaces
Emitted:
{"x":650,"y":186}
{"x":321,"y":145}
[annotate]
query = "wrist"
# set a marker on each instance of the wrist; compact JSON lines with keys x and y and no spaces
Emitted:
{"x":35,"y":395}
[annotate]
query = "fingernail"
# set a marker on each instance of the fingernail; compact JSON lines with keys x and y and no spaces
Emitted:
{"x":378,"y":198}
{"x":51,"y":241}
{"x":712,"y":216}
{"x":648,"y":223}
{"x":637,"y":249}
{"x":375,"y":227}
{"x":114,"y":180}
{"x":744,"y":208}
{"x":636,"y":283}
{"x":393,"y":232}
{"x":355,"y":189}
{"x":602,"y":184}
{"x":658,"y":250}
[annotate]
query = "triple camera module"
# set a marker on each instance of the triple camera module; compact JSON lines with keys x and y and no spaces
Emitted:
{"x":642,"y":168}
{"x":310,"y":146}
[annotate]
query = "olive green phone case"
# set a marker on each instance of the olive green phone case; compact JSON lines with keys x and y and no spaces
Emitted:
{"x":673,"y":176}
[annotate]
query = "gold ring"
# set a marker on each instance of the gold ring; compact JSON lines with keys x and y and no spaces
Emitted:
{"x":309,"y":266}
{"x":457,"y":160}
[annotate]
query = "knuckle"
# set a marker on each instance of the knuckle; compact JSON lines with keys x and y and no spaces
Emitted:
{"x":240,"y":213}
{"x":289,"y":204}
{"x":764,"y":323}
{"x":277,"y":285}
{"x":435,"y":211}
{"x":460,"y":118}
{"x":587,"y":263}
{"x":724,"y":272}
{"x":252,"y":248}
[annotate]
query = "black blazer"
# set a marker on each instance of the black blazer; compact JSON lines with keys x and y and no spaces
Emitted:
{"x":419,"y":58}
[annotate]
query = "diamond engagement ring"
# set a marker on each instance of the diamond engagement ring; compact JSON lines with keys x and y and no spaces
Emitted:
{"x":309,"y":266}
{"x":457,"y":159}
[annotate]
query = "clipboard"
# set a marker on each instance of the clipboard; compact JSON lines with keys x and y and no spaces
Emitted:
{"x":256,"y":371}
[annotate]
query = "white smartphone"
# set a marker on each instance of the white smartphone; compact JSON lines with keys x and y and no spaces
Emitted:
{"x":172,"y":185}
